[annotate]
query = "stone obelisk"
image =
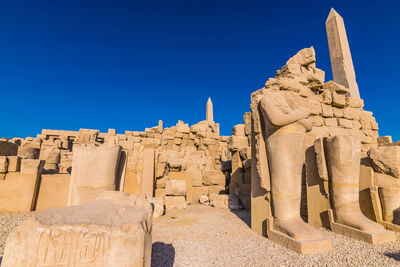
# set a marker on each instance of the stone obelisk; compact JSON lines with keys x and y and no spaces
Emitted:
{"x":209,"y":111}
{"x":339,"y":50}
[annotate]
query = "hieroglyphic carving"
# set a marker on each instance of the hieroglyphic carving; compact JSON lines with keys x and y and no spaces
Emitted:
{"x":72,"y":247}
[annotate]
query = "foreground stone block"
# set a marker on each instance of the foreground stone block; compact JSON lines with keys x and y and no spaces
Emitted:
{"x":114,"y":230}
{"x":213,"y":178}
{"x":175,"y":203}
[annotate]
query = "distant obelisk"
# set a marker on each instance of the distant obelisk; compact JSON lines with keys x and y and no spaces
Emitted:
{"x":339,"y":50}
{"x":209,"y":111}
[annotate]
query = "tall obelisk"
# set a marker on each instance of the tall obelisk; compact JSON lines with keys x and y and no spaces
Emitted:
{"x":209,"y":111}
{"x":339,"y":50}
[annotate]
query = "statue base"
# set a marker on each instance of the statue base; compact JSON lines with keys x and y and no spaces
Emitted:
{"x":317,"y":246}
{"x":369,"y":237}
{"x":377,"y":208}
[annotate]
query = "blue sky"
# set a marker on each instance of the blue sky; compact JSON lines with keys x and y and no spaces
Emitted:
{"x":126,"y":64}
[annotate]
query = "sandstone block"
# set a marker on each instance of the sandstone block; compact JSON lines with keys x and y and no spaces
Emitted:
{"x":219,"y":201}
{"x":331,"y":122}
{"x":327,"y":111}
{"x":337,"y":112}
{"x":103,"y":232}
{"x":213,"y":178}
{"x":247,"y":123}
{"x":3,"y":164}
{"x":335,"y":87}
{"x":159,"y":192}
{"x":314,"y":107}
{"x":238,"y":142}
{"x":354,"y":102}
{"x":14,"y":163}
{"x":8,"y":148}
{"x":338,"y":100}
{"x":94,"y":171}
{"x":175,"y":203}
{"x":157,"y":204}
{"x":53,"y":191}
{"x":238,"y":130}
{"x":326,"y":97}
{"x":197,"y":192}
{"x":203,"y":199}
{"x":344,"y":123}
{"x":31,"y":165}
{"x":175,"y":188}
{"x":216,"y":189}
{"x":384,"y":140}
{"x":316,"y":121}
{"x":386,"y":159}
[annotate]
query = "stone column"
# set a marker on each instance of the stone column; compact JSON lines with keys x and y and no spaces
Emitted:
{"x":339,"y":50}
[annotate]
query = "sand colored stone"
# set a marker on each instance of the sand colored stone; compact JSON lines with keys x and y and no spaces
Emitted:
{"x":53,"y":191}
{"x":94,"y":171}
{"x":343,"y":157}
{"x":209,"y":111}
{"x":339,"y":51}
{"x":114,"y":230}
{"x":18,"y":192}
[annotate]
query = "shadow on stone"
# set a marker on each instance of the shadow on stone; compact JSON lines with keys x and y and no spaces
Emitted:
{"x":244,"y":215}
{"x":162,"y":255}
{"x":395,"y":256}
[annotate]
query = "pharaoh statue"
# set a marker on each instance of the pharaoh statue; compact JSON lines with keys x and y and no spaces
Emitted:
{"x":343,"y":154}
{"x":284,"y":128}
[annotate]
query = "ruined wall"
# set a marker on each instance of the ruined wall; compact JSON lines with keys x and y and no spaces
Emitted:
{"x":149,"y":160}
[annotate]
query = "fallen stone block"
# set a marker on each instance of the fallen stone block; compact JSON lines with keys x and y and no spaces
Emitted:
{"x":203,"y":199}
{"x":113,"y":230}
{"x":238,"y":130}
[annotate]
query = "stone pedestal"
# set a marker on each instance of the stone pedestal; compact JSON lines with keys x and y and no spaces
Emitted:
{"x":317,"y":246}
{"x":369,"y":237}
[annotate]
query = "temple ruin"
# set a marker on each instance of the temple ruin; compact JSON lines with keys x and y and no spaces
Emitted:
{"x":307,"y":155}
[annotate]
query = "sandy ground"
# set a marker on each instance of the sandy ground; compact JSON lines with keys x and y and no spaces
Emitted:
{"x":205,"y":236}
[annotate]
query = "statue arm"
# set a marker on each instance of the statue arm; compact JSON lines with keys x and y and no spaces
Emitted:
{"x":277,"y":117}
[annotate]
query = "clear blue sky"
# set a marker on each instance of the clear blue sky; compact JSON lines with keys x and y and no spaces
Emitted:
{"x":127,"y":64}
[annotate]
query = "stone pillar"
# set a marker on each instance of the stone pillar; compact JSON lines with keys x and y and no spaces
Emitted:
{"x":339,"y":50}
{"x":209,"y":111}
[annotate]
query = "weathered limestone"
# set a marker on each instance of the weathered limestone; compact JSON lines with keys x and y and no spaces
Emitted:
{"x":147,"y":184}
{"x":343,"y":157}
{"x":339,"y":51}
{"x":113,"y":230}
{"x":386,"y":159}
{"x":31,"y":166}
{"x":94,"y":170}
{"x":209,"y":111}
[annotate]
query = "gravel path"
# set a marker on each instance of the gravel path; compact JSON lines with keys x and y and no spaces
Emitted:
{"x":205,"y":236}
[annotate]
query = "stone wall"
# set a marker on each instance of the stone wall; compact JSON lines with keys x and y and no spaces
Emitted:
{"x":196,"y":154}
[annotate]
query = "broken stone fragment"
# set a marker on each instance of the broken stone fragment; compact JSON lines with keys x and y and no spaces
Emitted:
{"x":304,"y":57}
{"x":335,"y":87}
{"x":213,"y":177}
{"x":157,"y":204}
{"x":386,"y":159}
